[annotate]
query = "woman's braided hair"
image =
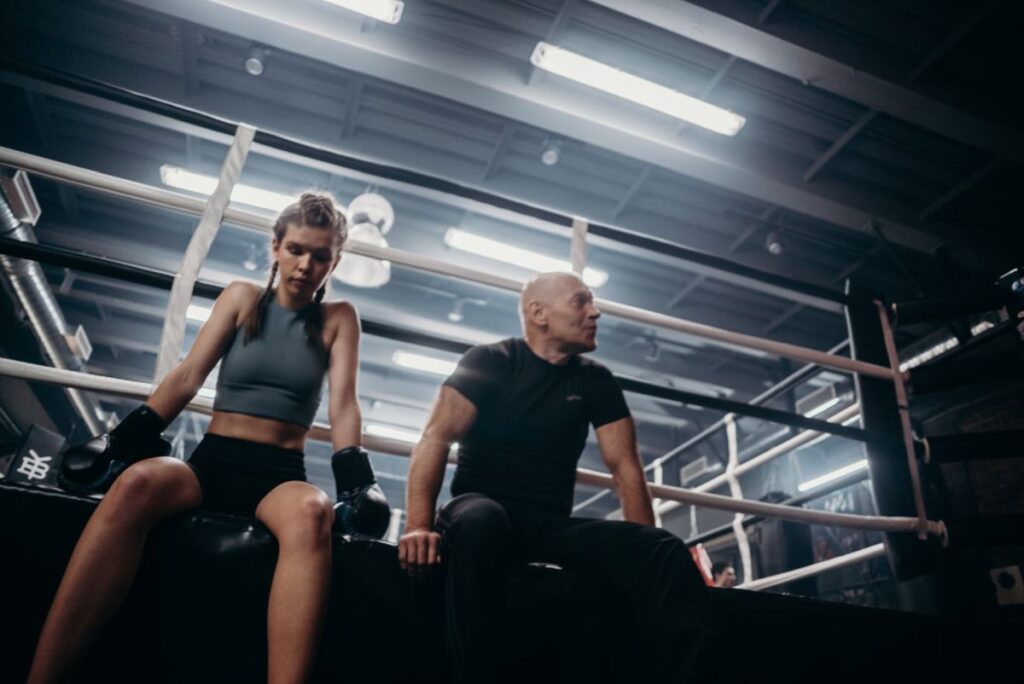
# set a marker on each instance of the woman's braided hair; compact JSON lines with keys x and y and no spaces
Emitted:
{"x":315,"y":210}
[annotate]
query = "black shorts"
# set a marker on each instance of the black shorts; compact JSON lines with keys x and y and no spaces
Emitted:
{"x":235,"y":474}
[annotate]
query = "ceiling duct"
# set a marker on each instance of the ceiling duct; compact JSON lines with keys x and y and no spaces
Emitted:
{"x":27,"y":282}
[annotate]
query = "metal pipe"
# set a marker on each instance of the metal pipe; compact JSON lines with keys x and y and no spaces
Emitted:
{"x":29,"y":284}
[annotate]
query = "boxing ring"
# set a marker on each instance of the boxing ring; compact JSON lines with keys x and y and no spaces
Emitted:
{"x":881,"y":386}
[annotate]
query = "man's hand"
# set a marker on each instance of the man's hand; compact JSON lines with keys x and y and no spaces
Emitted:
{"x":419,"y":550}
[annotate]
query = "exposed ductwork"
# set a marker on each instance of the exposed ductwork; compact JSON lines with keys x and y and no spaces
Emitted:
{"x":28,"y":283}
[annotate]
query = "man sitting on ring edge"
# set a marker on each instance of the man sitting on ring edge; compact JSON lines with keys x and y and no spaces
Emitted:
{"x":520,"y":410}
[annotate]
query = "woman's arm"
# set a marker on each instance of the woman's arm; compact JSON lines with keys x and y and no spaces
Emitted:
{"x":342,"y":403}
{"x":180,"y":385}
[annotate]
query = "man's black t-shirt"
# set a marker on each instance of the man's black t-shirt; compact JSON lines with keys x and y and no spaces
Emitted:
{"x":532,"y":422}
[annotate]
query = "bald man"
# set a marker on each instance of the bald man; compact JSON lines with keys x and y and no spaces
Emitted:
{"x":520,"y":410}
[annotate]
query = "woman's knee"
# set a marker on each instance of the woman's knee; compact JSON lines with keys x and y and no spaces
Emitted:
{"x":152,"y":486}
{"x":306,"y":523}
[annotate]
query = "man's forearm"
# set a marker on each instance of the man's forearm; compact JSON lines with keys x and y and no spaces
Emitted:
{"x":426,"y":473}
{"x":635,"y":498}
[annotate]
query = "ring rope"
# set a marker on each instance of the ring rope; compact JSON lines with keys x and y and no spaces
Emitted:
{"x":578,"y":247}
{"x":320,"y":431}
{"x":172,"y":339}
{"x":852,"y":558}
{"x":771,"y":454}
{"x":742,"y":541}
{"x":175,"y":200}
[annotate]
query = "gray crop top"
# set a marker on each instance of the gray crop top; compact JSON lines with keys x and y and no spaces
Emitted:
{"x":278,"y":375}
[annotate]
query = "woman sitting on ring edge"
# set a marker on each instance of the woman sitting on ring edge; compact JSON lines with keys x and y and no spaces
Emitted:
{"x":275,"y":347}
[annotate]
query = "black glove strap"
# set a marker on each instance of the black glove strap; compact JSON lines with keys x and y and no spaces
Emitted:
{"x":351,"y":467}
{"x":140,"y":430}
{"x":143,"y":422}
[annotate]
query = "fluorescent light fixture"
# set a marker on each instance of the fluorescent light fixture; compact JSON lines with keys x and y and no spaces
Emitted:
{"x":834,"y":475}
{"x":183,"y":179}
{"x":822,"y":407}
{"x":627,"y":86}
{"x":420,"y":362}
{"x":389,"y":432}
{"x":943,"y":347}
{"x":208,"y":392}
{"x":197,"y":313}
{"x":381,"y":10}
{"x":517,"y":256}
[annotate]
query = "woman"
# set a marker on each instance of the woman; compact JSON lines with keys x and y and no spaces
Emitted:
{"x":277,"y":345}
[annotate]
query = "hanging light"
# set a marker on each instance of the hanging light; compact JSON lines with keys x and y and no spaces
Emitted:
{"x":371,"y":216}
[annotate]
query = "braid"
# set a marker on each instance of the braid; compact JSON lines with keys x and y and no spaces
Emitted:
{"x":315,"y":318}
{"x":254,"y":324}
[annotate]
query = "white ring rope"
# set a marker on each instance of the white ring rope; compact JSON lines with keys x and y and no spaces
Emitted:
{"x":320,"y":431}
{"x":578,"y":247}
{"x":659,"y":478}
{"x":782,"y":449}
{"x":852,"y":558}
{"x":125,"y":188}
{"x":172,"y":339}
{"x":737,"y":493}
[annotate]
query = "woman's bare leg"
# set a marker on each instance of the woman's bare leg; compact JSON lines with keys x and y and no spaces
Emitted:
{"x":106,"y":558}
{"x":300,"y":516}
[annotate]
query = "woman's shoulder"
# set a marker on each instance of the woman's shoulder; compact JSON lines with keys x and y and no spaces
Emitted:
{"x":341,"y":312}
{"x":242,"y":291}
{"x":241,"y":296}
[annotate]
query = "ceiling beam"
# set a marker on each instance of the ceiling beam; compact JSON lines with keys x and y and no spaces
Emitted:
{"x":188,"y":39}
{"x":631,"y":192}
{"x":485,"y":209}
{"x":497,"y":153}
{"x":561,"y":20}
{"x":765,"y":50}
{"x":959,"y":189}
{"x":494,"y":85}
{"x":767,"y":215}
{"x":355,"y":95}
{"x":915,"y":73}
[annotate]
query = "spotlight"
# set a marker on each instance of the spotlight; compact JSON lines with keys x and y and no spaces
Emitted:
{"x":256,"y":61}
{"x":251,"y":262}
{"x":551,"y":153}
{"x":773,"y":243}
{"x":455,"y":315}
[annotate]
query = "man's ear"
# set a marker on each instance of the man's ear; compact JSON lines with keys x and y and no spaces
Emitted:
{"x":537,"y":313}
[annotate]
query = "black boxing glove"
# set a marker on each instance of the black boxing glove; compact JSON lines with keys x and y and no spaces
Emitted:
{"x":362,"y":510}
{"x":91,"y":467}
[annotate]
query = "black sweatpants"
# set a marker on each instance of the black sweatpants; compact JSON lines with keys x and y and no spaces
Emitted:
{"x":482,"y":538}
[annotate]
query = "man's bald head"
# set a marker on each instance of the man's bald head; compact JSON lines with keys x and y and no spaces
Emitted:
{"x":547,"y":288}
{"x":559,"y":308}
